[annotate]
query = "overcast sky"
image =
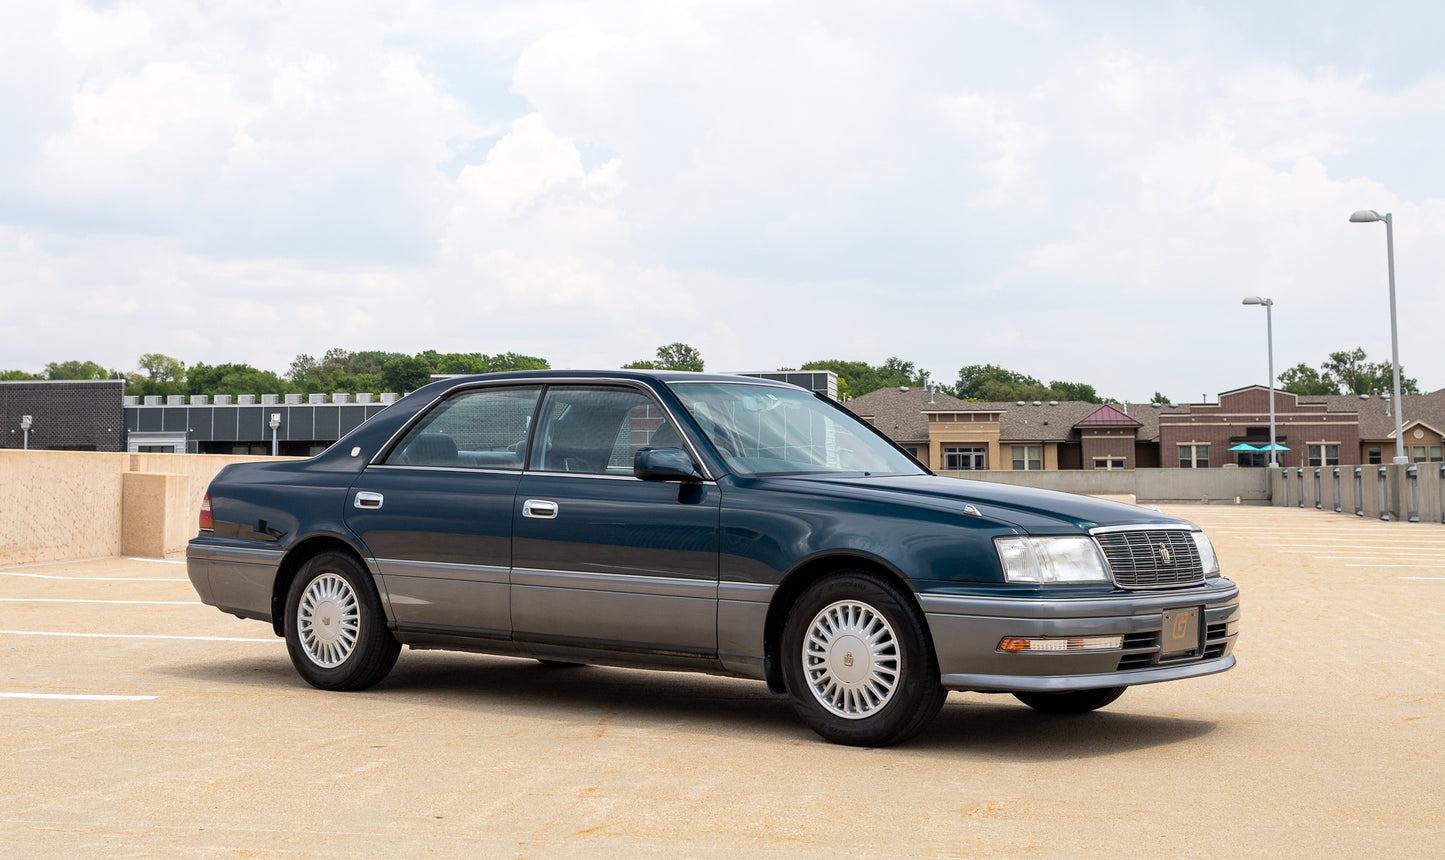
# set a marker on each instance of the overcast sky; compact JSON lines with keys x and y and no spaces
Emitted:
{"x":1077,"y":191}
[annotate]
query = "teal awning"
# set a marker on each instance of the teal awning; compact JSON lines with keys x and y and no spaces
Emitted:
{"x":1245,"y":446}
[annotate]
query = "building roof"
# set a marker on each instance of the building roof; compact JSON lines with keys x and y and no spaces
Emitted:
{"x":1375,"y":422}
{"x":901,"y":415}
{"x":898,"y":412}
{"x":1108,"y":416}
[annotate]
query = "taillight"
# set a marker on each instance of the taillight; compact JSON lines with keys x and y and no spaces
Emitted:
{"x":207,"y":524}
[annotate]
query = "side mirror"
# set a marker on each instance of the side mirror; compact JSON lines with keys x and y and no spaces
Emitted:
{"x":664,"y":464}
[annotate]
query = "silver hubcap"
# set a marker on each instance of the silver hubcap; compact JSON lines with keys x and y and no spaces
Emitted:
{"x":328,"y":620}
{"x":851,"y":660}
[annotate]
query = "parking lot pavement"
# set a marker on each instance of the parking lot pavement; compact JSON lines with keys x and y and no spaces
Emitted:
{"x":134,"y":721}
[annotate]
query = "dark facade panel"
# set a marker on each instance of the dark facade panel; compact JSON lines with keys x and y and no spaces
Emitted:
{"x":326,"y":418}
{"x":175,"y":419}
{"x":351,"y":418}
{"x":251,"y":424}
{"x":150,"y":420}
{"x":300,"y":423}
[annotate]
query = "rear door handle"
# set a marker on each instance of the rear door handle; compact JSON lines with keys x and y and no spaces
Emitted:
{"x":369,"y":501}
{"x":539,"y":509}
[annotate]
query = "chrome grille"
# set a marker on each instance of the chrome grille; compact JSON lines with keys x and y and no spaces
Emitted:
{"x":1151,"y":558}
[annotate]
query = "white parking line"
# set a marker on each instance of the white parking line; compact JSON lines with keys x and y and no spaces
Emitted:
{"x":1430,"y":578}
{"x":1417,"y":566}
{"x":78,"y":600}
{"x":91,"y":578}
{"x":133,"y":636}
{"x":77,"y":697}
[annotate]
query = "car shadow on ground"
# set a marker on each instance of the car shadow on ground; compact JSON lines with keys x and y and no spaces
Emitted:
{"x":970,"y":726}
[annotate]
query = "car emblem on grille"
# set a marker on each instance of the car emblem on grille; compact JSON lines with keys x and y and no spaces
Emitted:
{"x":848,"y":659}
{"x":1164,"y":557}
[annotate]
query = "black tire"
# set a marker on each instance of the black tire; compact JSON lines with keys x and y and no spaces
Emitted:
{"x":854,"y":691}
{"x":1071,"y":701}
{"x":338,"y":640}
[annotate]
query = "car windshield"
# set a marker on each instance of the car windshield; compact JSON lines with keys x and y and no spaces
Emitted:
{"x":764,"y":430}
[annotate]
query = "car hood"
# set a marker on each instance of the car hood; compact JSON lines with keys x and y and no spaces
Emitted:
{"x":1028,"y":509}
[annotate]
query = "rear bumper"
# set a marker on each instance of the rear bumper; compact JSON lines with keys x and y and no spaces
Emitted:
{"x":233,"y":579}
{"x":967,"y":631}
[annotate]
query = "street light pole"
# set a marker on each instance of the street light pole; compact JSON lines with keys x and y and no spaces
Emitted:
{"x":275,"y":425}
{"x":1269,"y":335}
{"x":26,"y":422}
{"x":1364,"y":216}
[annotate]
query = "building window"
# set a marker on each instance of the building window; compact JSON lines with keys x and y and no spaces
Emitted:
{"x":155,"y":449}
{"x":1437,"y":453}
{"x":1194,"y":456}
{"x":1108,"y":463}
{"x":964,"y":459}
{"x":1028,"y":457}
{"x":1323,"y":455}
{"x":1373,"y":456}
{"x":1418,"y":454}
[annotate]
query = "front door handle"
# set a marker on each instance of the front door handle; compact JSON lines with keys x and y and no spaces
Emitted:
{"x":539,"y":509}
{"x":368,"y":501}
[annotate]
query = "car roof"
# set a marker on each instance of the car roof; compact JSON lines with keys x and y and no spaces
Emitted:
{"x":664,"y":376}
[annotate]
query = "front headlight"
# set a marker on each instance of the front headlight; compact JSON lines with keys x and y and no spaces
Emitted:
{"x":1207,"y":559}
{"x":1051,"y":559}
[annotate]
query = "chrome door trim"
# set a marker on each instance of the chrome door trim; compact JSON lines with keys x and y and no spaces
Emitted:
{"x":661,"y":586}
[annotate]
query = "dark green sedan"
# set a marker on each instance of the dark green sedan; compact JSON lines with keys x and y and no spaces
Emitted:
{"x":710,"y":523}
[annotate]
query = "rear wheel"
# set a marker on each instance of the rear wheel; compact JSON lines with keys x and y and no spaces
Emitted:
{"x":335,"y":628}
{"x":1071,"y":701}
{"x":857,"y":661}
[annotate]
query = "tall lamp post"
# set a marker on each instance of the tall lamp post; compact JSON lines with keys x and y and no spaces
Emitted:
{"x":1365,"y":216}
{"x":275,"y":425}
{"x":1269,"y":334}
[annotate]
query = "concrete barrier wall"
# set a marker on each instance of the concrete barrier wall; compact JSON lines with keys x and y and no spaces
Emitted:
{"x":1091,"y":483}
{"x":57,"y":505}
{"x":1410,"y":493}
{"x":62,"y":505}
{"x":1147,"y":486}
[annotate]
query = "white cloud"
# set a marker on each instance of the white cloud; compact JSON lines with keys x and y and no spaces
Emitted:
{"x":1078,"y":193}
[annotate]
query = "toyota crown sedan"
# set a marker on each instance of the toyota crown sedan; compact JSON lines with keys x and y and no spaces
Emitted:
{"x":710,"y":523}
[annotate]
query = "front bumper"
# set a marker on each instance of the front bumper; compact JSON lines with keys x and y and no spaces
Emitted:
{"x":967,"y":631}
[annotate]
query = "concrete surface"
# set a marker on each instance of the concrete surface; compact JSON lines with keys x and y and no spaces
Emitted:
{"x":1325,"y":741}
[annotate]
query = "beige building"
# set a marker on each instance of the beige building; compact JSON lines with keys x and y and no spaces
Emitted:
{"x":948,"y":434}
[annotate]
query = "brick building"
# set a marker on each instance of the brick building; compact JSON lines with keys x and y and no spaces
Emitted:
{"x":66,"y":415}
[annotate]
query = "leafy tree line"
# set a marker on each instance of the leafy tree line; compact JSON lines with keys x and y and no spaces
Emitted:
{"x":1348,"y":372}
{"x":341,"y":370}
{"x":338,"y":370}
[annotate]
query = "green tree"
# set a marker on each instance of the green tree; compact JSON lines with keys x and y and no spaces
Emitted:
{"x":991,"y":382}
{"x":76,"y":370}
{"x":1358,"y":375}
{"x":406,"y":373}
{"x":1303,"y":379}
{"x":1074,"y":391}
{"x":159,"y":374}
{"x":234,"y":379}
{"x":17,"y":376}
{"x":1160,"y":399}
{"x":674,"y":356}
{"x":506,"y":361}
{"x":857,"y":378}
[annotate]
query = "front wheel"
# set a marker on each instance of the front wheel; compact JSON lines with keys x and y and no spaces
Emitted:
{"x":335,"y":628}
{"x":858,"y":663}
{"x":1071,"y":701}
